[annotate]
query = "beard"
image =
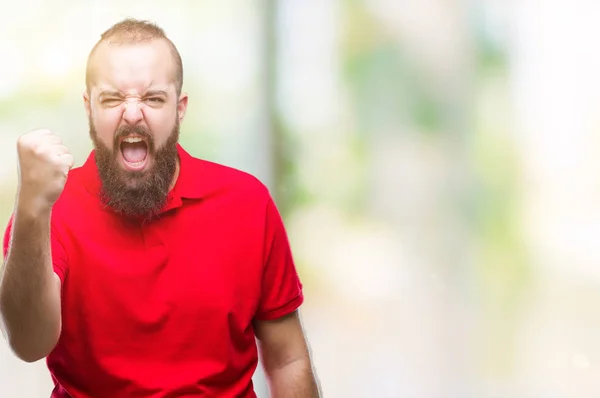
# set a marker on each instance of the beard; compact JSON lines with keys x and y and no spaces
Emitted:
{"x":136,"y":193}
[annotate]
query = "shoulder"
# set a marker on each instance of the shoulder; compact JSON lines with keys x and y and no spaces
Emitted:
{"x":224,"y":175}
{"x":212,"y":179}
{"x":231,"y":194}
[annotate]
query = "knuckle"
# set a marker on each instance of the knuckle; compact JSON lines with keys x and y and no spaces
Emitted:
{"x":23,"y":140}
{"x":39,"y":150}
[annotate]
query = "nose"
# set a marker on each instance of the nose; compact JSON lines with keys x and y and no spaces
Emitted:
{"x":132,"y":114}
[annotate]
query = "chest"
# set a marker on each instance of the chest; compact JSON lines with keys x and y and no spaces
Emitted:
{"x":179,"y":273}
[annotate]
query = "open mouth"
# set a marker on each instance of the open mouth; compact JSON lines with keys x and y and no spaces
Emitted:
{"x":135,"y":152}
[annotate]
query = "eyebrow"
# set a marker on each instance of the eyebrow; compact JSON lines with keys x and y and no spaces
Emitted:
{"x":151,"y":93}
{"x":110,"y":94}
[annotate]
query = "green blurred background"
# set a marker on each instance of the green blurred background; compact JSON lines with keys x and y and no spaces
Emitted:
{"x":434,"y":160}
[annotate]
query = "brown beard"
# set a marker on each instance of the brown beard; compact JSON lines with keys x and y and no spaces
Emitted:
{"x":136,"y":193}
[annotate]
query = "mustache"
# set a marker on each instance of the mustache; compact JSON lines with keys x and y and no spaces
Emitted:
{"x":140,"y":131}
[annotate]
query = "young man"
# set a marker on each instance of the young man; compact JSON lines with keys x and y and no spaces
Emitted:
{"x":147,"y":272}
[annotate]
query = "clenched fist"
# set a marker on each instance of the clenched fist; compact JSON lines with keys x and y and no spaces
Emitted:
{"x":43,"y":167}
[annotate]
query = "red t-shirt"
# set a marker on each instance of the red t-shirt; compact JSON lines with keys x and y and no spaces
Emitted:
{"x":165,"y":308}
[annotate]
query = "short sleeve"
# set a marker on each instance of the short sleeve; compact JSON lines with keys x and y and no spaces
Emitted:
{"x":59,"y":257}
{"x":281,"y":285}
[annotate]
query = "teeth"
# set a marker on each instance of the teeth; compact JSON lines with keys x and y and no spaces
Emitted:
{"x":137,"y":164}
{"x":132,"y":140}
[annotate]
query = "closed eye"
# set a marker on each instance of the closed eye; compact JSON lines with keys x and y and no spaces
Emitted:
{"x":111,"y":101}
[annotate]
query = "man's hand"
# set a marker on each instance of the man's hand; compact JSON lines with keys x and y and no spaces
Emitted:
{"x":43,"y":167}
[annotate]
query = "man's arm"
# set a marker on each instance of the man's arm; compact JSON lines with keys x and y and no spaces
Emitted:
{"x":30,"y":308}
{"x":286,"y":358}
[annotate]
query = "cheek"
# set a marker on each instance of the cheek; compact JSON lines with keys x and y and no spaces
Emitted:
{"x":106,"y":123}
{"x":161,"y":125}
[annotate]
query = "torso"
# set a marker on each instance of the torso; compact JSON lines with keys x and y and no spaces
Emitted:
{"x":159,"y":310}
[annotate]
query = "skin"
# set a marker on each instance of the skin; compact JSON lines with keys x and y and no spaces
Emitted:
{"x":286,"y":358}
{"x":134,"y":85}
{"x":29,"y":289}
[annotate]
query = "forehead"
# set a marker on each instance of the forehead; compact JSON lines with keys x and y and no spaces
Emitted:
{"x":133,"y":68}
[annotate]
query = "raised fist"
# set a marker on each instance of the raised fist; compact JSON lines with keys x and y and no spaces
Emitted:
{"x":43,"y":167}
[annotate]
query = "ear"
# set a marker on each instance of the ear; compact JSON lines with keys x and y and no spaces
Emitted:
{"x":182,"y":106}
{"x":86,"y":103}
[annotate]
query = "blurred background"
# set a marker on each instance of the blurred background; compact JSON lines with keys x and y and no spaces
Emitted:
{"x":434,"y":160}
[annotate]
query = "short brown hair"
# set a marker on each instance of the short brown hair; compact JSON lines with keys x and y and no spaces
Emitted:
{"x":134,"y":31}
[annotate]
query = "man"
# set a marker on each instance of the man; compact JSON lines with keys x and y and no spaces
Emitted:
{"x":147,"y":272}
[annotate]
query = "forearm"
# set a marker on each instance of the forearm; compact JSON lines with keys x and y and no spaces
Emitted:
{"x":295,"y":379}
{"x":29,"y":290}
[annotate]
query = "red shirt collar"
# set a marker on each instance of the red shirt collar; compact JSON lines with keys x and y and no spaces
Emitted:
{"x":187,"y":185}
